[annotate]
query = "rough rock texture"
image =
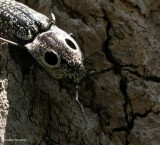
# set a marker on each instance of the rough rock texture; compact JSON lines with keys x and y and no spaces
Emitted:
{"x":120,"y":41}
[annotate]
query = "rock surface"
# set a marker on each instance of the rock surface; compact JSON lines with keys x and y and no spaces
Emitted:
{"x":120,"y":41}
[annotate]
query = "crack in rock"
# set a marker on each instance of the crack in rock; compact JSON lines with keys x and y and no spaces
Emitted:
{"x":130,"y":116}
{"x":147,"y":78}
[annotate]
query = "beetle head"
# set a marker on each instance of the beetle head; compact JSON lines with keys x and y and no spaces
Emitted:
{"x":59,"y":54}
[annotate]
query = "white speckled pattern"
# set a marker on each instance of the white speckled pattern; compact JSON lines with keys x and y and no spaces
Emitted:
{"x":53,"y":48}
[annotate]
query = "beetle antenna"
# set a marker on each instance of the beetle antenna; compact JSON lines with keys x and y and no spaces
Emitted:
{"x":77,"y":99}
{"x":8,"y":41}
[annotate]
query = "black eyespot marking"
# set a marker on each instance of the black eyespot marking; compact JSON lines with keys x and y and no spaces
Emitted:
{"x":51,"y":58}
{"x":70,"y":44}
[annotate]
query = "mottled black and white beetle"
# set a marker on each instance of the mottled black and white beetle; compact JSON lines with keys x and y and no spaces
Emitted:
{"x":53,"y":48}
